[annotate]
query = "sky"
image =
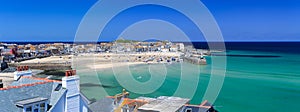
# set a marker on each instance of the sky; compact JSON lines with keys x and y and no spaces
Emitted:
{"x":239,"y":20}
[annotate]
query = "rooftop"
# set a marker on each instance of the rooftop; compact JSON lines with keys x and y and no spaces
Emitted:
{"x":103,"y":105}
{"x":165,"y":104}
{"x":203,"y":107}
{"x":30,"y":101}
{"x":29,"y":90}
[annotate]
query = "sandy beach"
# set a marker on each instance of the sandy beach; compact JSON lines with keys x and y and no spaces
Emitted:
{"x":108,"y":60}
{"x":111,"y":65}
{"x":52,"y":59}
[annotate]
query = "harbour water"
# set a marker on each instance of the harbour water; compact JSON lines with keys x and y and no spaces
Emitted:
{"x":255,"y":81}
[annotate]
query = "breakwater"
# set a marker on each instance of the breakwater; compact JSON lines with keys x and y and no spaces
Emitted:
{"x":195,"y":60}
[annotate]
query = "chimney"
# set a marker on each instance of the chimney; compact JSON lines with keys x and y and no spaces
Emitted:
{"x":22,"y":71}
{"x":71,"y":83}
{"x":1,"y":84}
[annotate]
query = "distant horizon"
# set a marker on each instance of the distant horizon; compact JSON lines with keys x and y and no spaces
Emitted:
{"x":58,"y":20}
{"x":143,"y":41}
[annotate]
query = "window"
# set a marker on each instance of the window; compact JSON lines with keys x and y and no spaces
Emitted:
{"x":42,"y":107}
{"x":58,"y":87}
{"x":28,"y":109}
{"x":37,"y":106}
{"x":188,"y":110}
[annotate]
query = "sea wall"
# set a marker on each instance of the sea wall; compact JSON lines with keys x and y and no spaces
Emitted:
{"x":30,"y":58}
{"x":44,"y":66}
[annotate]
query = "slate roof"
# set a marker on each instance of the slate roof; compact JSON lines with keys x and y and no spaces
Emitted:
{"x":165,"y":104}
{"x":56,"y":95}
{"x":25,"y":81}
{"x":103,"y":105}
{"x":9,"y":97}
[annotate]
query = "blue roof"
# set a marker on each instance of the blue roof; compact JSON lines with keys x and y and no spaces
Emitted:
{"x":56,"y":95}
{"x":22,"y":81}
{"x":11,"y":96}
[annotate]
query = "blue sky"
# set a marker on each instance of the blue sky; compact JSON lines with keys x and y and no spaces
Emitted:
{"x":239,"y":20}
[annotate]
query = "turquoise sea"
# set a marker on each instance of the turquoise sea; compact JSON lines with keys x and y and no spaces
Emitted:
{"x":255,"y":81}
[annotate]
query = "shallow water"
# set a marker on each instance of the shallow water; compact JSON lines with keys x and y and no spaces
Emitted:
{"x":254,"y":82}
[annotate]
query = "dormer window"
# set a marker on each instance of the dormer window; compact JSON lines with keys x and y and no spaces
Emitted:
{"x":58,"y":87}
{"x":188,"y":110}
{"x":37,"y":104}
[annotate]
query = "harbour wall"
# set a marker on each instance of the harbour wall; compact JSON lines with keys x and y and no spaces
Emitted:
{"x":44,"y":66}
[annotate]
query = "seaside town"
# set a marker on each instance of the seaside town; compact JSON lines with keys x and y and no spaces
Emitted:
{"x":23,"y":89}
{"x":162,"y":51}
{"x":15,"y":53}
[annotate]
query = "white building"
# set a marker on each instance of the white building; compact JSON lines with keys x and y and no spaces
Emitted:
{"x":180,"y":46}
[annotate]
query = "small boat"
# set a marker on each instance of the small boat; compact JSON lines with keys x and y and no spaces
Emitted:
{"x":139,"y":77}
{"x":173,"y":59}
